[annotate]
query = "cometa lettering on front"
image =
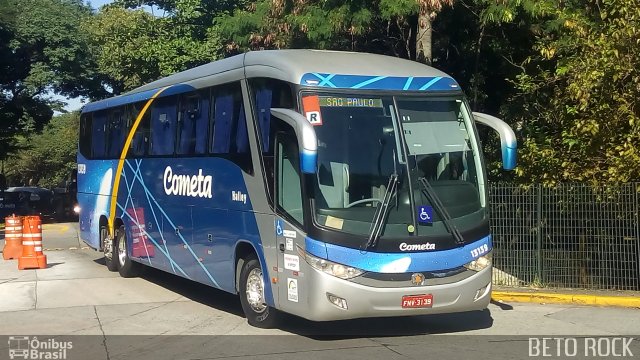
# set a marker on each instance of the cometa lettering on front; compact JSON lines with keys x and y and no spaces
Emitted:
{"x":417,"y":247}
{"x":187,"y":185}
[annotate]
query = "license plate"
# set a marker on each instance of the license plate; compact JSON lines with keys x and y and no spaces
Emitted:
{"x":417,"y":301}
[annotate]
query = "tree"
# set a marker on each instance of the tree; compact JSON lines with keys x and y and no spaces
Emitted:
{"x":428,"y":10}
{"x":578,"y":98}
{"x":42,"y":51}
{"x":135,"y":47}
{"x":46,"y":158}
{"x":385,"y":26}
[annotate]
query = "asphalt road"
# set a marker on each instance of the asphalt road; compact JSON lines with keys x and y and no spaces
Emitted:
{"x":77,"y":298}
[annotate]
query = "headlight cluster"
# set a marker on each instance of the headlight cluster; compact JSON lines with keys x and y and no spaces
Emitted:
{"x":330,"y":267}
{"x":480,"y":263}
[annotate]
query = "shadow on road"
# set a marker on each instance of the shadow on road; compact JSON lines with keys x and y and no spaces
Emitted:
{"x":195,"y":291}
{"x":390,"y":327}
{"x":344,"y":329}
{"x":50,"y":265}
{"x":501,"y":305}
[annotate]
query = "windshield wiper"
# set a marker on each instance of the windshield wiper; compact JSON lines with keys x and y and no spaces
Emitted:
{"x":381,"y":212}
{"x":427,"y":189}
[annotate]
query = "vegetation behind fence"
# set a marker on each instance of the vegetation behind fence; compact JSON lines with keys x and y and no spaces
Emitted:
{"x":570,"y":236}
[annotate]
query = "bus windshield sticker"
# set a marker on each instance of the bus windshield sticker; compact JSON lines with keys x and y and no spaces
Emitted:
{"x":332,"y":101}
{"x":425,"y":214}
{"x":279,"y":227}
{"x":292,"y":289}
{"x":289,"y":244}
{"x":311,"y":106}
{"x":289,"y":234}
{"x":334,"y":222}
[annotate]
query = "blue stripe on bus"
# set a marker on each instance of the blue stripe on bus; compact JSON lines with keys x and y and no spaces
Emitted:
{"x":398,"y":262}
{"x":379,"y":82}
{"x":308,"y":162}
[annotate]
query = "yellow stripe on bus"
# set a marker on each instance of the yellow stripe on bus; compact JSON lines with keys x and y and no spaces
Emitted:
{"x":123,"y":156}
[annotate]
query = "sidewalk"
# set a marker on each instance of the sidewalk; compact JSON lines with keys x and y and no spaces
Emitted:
{"x":628,"y":299}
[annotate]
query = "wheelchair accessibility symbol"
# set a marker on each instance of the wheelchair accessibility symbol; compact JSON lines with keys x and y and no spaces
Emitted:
{"x":279,"y":228}
{"x":425,"y":214}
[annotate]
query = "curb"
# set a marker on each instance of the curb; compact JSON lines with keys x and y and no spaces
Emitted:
{"x":570,"y":299}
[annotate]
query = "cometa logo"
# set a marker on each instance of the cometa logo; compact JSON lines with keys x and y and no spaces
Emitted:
{"x":187,"y":185}
{"x":417,"y":247}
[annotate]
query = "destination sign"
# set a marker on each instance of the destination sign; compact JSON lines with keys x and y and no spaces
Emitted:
{"x":332,"y":101}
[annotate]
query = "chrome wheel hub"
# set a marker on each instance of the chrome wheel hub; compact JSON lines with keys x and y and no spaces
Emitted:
{"x":122,"y":250}
{"x":255,"y":291}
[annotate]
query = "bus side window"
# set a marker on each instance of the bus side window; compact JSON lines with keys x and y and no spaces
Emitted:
{"x":230,"y":138}
{"x":163,"y":126}
{"x":85,"y":135}
{"x":116,"y":132}
{"x":268,"y":94}
{"x":99,"y":135}
{"x":140,"y":142}
{"x":193,"y":124}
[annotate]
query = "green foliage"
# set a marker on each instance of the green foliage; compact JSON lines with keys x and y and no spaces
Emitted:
{"x":267,"y":24}
{"x":578,"y":102}
{"x":385,"y":27}
{"x":134,"y":47}
{"x":47,"y":158}
{"x":42,"y":50}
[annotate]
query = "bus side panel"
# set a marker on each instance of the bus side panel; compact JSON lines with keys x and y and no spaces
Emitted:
{"x":95,"y":180}
{"x":142,"y":217}
{"x":186,"y":217}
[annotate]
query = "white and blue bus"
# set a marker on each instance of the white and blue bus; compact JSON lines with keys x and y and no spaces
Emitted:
{"x":329,"y":185}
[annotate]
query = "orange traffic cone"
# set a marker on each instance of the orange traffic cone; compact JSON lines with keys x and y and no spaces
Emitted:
{"x":32,"y":256}
{"x":12,"y":237}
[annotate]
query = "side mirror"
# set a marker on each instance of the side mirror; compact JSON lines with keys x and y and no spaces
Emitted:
{"x":3,"y":182}
{"x":508,"y":140}
{"x":306,"y":136}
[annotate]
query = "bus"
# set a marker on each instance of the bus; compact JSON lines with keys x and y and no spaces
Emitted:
{"x":329,"y":185}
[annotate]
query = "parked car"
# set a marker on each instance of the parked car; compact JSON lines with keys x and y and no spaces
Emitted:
{"x":28,"y":200}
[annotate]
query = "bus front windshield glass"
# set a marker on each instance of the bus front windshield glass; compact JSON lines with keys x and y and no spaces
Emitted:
{"x":370,"y":147}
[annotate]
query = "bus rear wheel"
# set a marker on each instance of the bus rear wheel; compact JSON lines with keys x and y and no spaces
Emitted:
{"x":251,"y":289}
{"x":126,"y":267}
{"x":107,"y":249}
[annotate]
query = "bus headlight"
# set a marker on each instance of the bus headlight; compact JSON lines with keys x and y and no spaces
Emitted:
{"x":330,"y":267}
{"x":480,"y":263}
{"x":76,"y":209}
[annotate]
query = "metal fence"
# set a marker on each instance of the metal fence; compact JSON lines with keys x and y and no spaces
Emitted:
{"x":571,"y":236}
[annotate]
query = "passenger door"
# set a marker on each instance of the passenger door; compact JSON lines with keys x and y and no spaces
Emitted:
{"x":290,"y":215}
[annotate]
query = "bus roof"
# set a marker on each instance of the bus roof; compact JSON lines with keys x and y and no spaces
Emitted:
{"x":311,"y":68}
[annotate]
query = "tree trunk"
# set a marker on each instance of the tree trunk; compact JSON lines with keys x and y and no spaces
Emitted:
{"x":423,"y":38}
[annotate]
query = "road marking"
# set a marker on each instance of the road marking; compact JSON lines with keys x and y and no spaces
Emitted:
{"x":73,"y":248}
{"x":59,"y":227}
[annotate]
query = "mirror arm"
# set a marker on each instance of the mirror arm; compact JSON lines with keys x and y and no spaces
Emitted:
{"x":508,"y":140}
{"x":306,"y":135}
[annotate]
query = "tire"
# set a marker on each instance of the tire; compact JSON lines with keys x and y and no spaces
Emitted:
{"x":108,"y":249}
{"x":126,"y":267}
{"x":259,"y":314}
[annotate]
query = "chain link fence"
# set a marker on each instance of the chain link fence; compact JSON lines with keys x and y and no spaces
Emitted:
{"x":570,"y":236}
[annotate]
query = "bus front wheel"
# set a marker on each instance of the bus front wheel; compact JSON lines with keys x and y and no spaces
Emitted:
{"x":252,"y":298}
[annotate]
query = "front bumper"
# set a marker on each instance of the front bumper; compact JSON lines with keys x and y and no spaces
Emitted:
{"x":472,"y":293}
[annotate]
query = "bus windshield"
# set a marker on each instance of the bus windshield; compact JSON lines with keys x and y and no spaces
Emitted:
{"x":365,"y":140}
